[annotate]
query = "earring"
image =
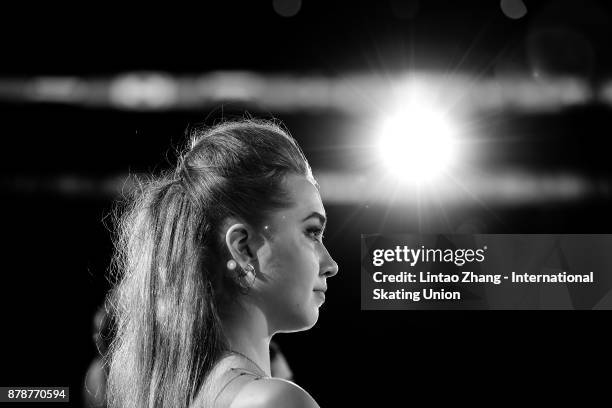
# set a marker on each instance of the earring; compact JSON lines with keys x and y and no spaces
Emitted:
{"x":250,"y":269}
{"x":231,"y":264}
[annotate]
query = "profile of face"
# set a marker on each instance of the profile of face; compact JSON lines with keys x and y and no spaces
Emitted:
{"x":292,"y":262}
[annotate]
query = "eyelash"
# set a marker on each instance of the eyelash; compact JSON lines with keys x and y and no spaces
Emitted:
{"x":318,"y":232}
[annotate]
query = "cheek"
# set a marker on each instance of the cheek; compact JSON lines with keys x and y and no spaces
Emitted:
{"x":292,"y":266}
{"x":291,"y":270}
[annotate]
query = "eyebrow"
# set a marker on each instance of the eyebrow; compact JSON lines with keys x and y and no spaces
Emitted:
{"x":317,"y":215}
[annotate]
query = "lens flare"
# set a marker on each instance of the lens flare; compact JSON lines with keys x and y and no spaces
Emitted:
{"x":417,"y":144}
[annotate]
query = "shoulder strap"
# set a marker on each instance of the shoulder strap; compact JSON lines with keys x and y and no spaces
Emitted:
{"x":227,"y":398}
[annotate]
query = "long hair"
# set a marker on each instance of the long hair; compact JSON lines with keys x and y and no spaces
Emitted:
{"x":168,"y":252}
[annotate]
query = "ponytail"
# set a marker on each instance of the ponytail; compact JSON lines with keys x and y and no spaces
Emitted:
{"x":168,"y":330}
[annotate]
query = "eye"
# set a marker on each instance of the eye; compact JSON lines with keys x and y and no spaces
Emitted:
{"x":315,"y":233}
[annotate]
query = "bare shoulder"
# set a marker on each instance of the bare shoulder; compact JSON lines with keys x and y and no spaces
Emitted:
{"x":273,"y":392}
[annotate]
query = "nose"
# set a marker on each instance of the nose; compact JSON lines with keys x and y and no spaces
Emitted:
{"x":329,"y":267}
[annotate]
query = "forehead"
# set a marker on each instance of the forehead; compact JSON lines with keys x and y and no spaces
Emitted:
{"x":304,"y":196}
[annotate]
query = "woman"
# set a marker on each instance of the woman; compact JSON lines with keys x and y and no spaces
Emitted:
{"x":214,"y":260}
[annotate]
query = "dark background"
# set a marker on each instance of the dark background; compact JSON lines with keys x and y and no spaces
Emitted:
{"x":56,"y":248}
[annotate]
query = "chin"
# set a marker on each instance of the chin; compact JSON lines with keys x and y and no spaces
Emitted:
{"x":313,"y":320}
{"x":303,"y":322}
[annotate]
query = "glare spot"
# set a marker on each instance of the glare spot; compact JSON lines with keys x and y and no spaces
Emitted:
{"x":287,"y":8}
{"x":513,"y":9}
{"x":417,"y":144}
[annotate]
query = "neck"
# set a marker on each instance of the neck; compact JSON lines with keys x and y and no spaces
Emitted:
{"x":246,"y":330}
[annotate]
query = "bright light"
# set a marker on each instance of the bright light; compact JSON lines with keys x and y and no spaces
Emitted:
{"x":417,"y":144}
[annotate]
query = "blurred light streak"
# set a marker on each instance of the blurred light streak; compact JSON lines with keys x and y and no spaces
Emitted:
{"x":144,"y":91}
{"x":606,"y":93}
{"x":353,"y":94}
{"x":64,"y":89}
{"x":501,"y":188}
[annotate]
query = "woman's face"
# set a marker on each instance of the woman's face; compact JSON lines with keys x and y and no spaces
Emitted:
{"x":292,"y":263}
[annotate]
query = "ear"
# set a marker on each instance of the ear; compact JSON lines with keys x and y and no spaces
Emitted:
{"x":240,"y":241}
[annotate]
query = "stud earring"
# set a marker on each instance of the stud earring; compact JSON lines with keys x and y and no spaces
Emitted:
{"x":231,"y":264}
